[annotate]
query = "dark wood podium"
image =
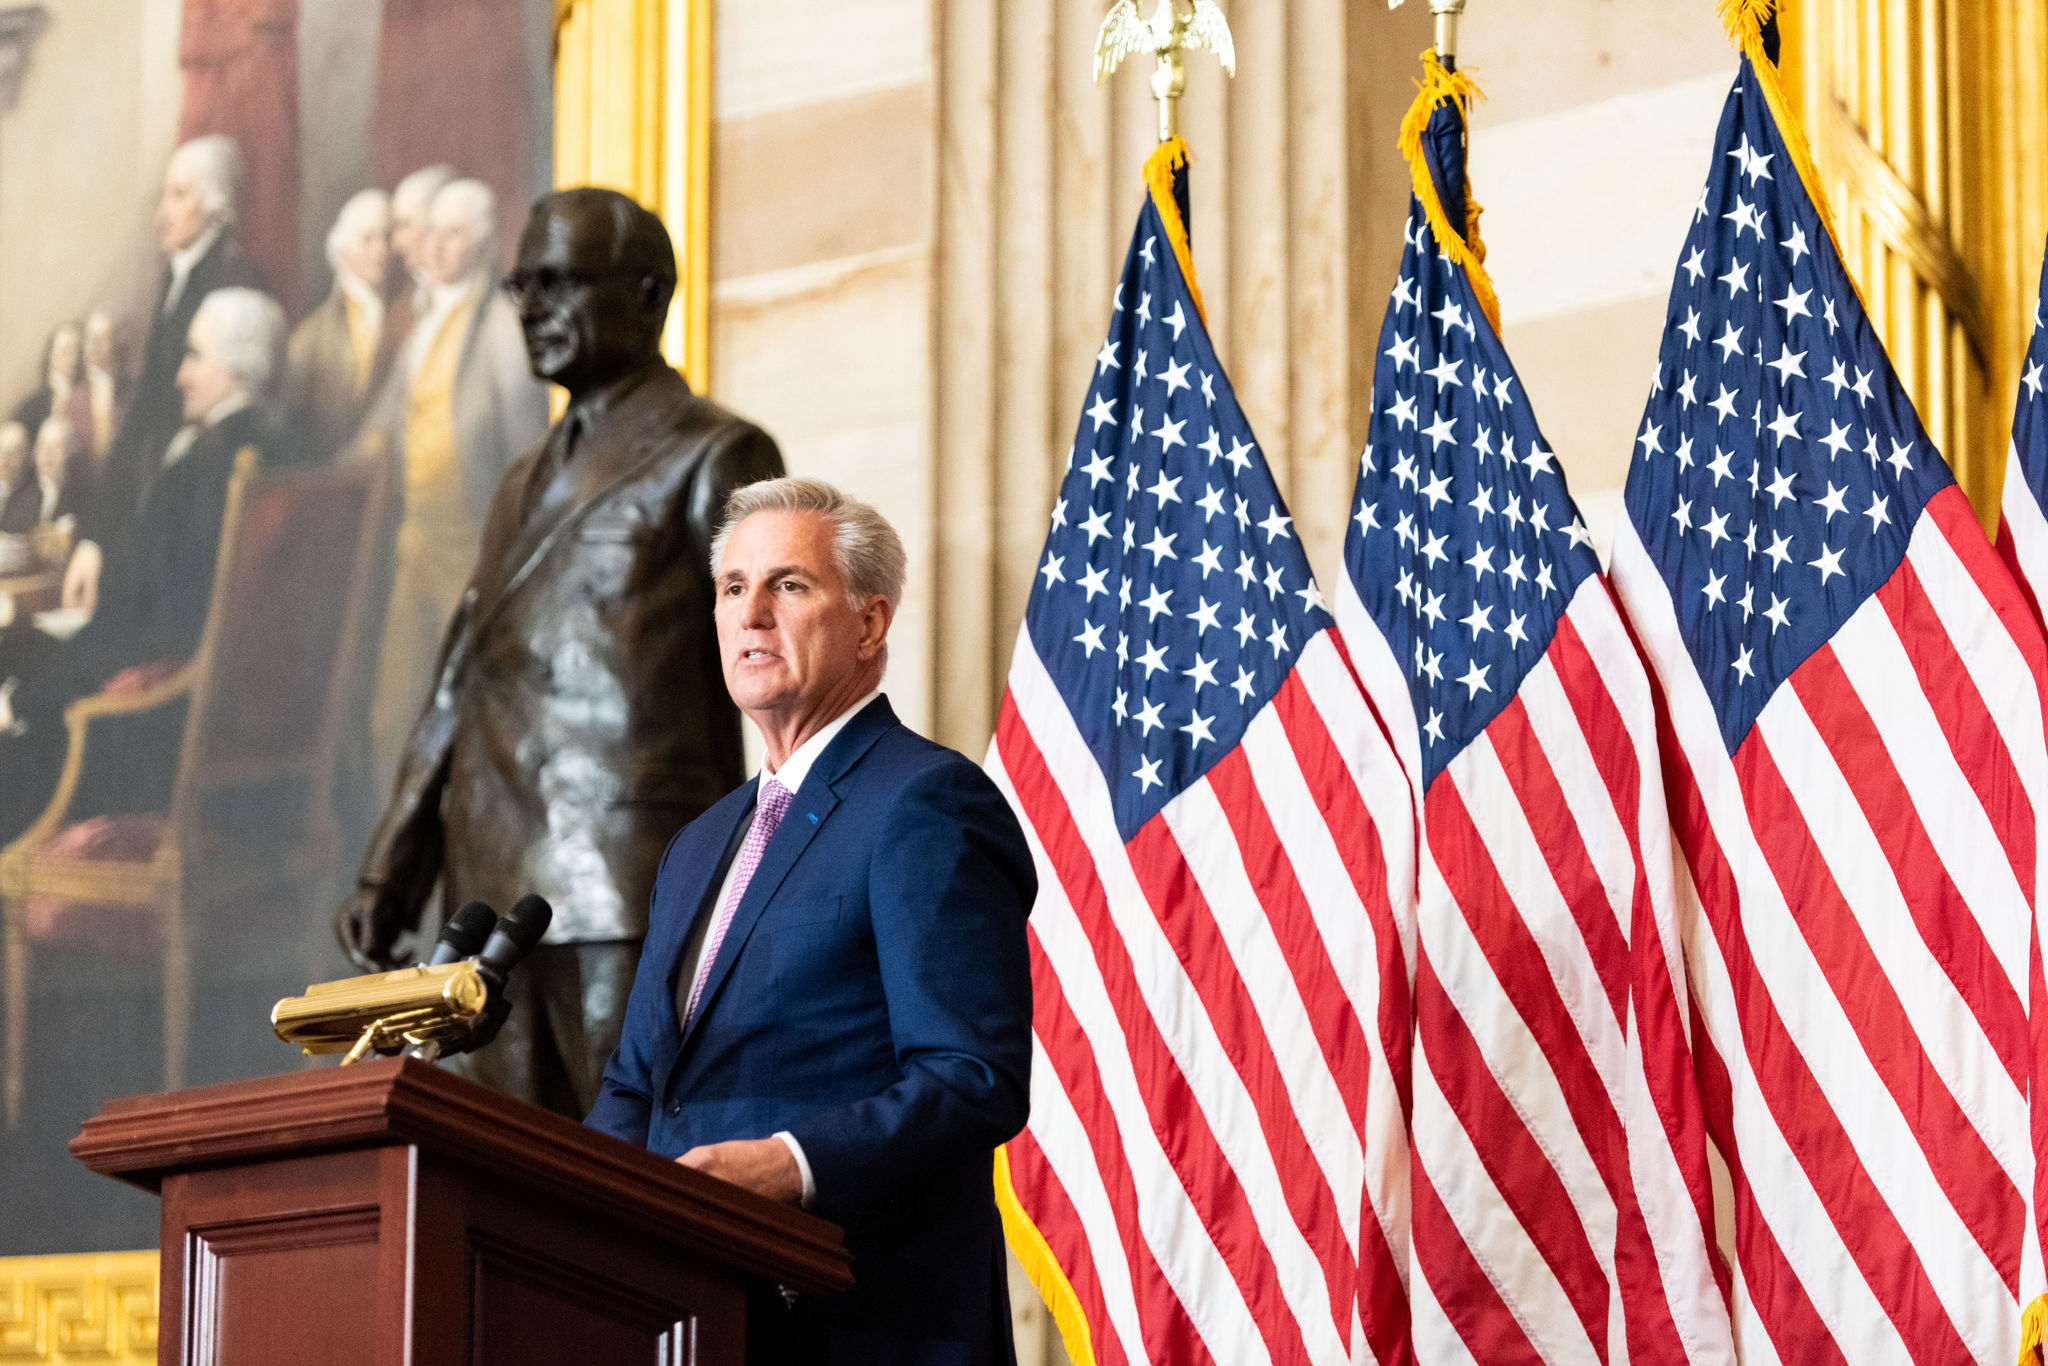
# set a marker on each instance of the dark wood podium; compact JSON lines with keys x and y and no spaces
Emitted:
{"x":396,"y":1214}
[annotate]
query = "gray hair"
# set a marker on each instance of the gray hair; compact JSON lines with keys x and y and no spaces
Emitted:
{"x":412,"y":194}
{"x":865,"y":549}
{"x":477,"y":204}
{"x":248,"y":328}
{"x":349,"y":221}
{"x":215,"y":162}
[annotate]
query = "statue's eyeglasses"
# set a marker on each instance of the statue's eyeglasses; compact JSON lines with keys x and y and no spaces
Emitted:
{"x":550,"y":282}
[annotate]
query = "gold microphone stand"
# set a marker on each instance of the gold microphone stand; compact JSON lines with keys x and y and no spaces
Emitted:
{"x":418,"y":1007}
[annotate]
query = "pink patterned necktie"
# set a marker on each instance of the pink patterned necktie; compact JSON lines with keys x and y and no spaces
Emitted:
{"x":769,"y":810}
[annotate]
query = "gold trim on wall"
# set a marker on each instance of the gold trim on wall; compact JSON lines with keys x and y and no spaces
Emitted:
{"x":98,"y":1307}
{"x":1930,"y":123}
{"x":633,"y":111}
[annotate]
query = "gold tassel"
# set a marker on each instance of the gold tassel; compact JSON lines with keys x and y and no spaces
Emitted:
{"x":1029,"y":1244}
{"x":1463,"y":247}
{"x":2030,"y":1331}
{"x":1745,"y":19}
{"x":1168,"y":157}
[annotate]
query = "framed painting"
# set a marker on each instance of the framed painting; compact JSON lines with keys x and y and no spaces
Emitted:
{"x":257,"y":384}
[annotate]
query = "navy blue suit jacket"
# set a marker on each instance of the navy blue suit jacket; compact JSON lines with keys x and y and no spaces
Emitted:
{"x":873,"y":998}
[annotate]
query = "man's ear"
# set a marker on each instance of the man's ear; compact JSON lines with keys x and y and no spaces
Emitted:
{"x":875,"y":619}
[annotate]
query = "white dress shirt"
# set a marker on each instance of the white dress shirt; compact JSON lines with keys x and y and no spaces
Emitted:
{"x":365,"y":297}
{"x":441,"y":301}
{"x":791,"y":775}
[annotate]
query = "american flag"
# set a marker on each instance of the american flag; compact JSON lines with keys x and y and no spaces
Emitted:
{"x":1851,"y":693}
{"x":2023,"y":544}
{"x":1561,"y":1195}
{"x":1214,"y":1168}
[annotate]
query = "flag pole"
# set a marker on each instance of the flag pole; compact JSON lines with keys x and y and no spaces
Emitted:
{"x":1165,"y":35}
{"x":1447,"y":13}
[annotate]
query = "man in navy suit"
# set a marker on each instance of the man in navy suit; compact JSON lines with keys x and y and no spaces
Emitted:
{"x":834,"y":1002}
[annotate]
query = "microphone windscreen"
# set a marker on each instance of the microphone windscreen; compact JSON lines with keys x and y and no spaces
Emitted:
{"x":464,"y":933}
{"x":516,"y":934}
{"x":528,"y":920}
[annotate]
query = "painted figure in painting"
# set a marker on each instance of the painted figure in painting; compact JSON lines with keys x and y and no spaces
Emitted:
{"x":411,"y":285}
{"x":339,"y":354}
{"x":105,"y":400}
{"x":50,"y":491}
{"x":459,"y":408}
{"x":195,"y":221}
{"x":61,"y":363}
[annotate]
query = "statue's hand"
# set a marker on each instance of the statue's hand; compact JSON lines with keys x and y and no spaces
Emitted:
{"x":368,"y":925}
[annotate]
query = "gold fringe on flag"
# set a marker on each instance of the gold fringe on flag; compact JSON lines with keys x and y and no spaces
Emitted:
{"x":1023,"y":1236}
{"x":2030,"y":1331}
{"x":1745,"y":20}
{"x":1460,"y":242}
{"x":1168,"y":157}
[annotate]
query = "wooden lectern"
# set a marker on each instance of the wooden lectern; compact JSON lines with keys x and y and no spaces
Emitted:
{"x":396,"y":1214}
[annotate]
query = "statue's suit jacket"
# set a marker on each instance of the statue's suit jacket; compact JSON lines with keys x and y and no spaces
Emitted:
{"x":872,"y":996}
{"x":579,"y":715}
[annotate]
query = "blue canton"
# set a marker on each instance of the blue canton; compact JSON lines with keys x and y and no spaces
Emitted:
{"x":2030,"y":419}
{"x":1780,"y":468}
{"x":1173,"y":595}
{"x":1465,"y":546}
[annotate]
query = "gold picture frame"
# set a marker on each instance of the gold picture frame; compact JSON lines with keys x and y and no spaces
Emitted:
{"x":633,"y":112}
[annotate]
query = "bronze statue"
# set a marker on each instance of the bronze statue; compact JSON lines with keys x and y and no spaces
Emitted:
{"x":579,"y":717}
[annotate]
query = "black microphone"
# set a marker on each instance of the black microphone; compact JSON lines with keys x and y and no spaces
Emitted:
{"x":464,"y":934}
{"x":460,"y":938}
{"x":514,"y":938}
{"x":511,"y":941}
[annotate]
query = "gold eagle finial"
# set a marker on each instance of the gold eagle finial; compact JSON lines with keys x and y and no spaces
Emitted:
{"x":1165,"y":35}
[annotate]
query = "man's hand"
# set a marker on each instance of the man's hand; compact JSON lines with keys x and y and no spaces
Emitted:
{"x":764,"y":1166}
{"x":367,"y":926}
{"x":82,"y":577}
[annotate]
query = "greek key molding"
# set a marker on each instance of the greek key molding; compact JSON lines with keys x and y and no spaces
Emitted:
{"x":98,"y":1307}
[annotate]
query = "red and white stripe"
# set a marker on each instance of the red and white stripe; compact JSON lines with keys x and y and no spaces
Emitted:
{"x":1865,"y":866}
{"x":1562,"y":1196}
{"x":1217,"y":1151}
